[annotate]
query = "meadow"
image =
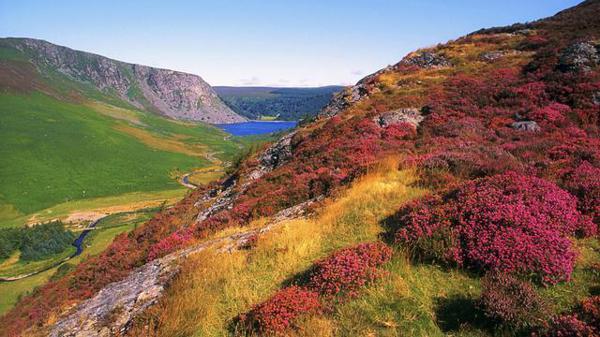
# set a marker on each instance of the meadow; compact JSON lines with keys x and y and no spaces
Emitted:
{"x":55,"y":152}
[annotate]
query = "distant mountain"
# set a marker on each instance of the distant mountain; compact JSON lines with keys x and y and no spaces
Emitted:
{"x":278,"y":103}
{"x":170,"y":93}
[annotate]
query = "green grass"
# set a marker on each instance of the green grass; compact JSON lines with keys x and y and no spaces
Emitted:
{"x":25,"y":267}
{"x":55,"y":152}
{"x":94,"y":244}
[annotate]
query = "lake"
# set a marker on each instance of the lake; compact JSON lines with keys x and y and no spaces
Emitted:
{"x":257,"y":127}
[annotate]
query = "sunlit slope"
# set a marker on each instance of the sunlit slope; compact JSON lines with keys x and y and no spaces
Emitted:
{"x":55,"y":151}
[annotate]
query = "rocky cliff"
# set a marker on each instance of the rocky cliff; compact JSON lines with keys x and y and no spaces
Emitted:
{"x":170,"y":93}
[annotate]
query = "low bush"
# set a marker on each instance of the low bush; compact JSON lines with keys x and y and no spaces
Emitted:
{"x":584,"y":183}
{"x":512,"y":302}
{"x":277,"y":314}
{"x":590,"y":311}
{"x":569,"y":326}
{"x":347,"y":270}
{"x":504,"y":223}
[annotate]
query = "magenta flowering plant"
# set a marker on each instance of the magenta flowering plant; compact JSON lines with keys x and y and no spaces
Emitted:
{"x":505,"y":223}
{"x":348,"y":270}
{"x":277,"y":314}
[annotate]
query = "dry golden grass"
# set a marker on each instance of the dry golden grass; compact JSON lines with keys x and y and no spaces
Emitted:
{"x":162,"y":143}
{"x":115,"y":112}
{"x":213,"y":289}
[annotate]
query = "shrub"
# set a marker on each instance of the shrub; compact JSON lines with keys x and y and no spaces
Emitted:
{"x":584,"y":183}
{"x":169,"y":244}
{"x":590,"y":311}
{"x":349,"y":269}
{"x":512,"y":302}
{"x":276,"y":315}
{"x":569,"y":326}
{"x":504,"y":223}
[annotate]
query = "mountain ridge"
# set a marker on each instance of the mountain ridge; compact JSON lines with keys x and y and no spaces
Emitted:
{"x":171,"y":93}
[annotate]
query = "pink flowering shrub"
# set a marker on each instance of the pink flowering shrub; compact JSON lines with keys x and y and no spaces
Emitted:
{"x":554,"y":113}
{"x":277,"y":314}
{"x":569,"y":326}
{"x":512,"y":302}
{"x":347,"y":270}
{"x":590,"y":310}
{"x":169,"y":244}
{"x":584,"y":183}
{"x":504,"y":223}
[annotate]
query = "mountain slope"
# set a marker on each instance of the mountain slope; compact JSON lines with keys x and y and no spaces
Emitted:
{"x":170,"y":93}
{"x":70,"y":129}
{"x":500,"y":131}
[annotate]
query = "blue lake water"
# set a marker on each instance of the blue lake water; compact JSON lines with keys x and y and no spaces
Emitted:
{"x":256,"y":127}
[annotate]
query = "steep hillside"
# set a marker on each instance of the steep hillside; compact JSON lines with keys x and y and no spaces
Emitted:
{"x":170,"y":93}
{"x":455,"y":192}
{"x":74,"y":126}
{"x":277,"y":103}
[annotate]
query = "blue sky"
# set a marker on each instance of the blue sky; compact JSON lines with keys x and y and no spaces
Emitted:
{"x":268,"y":42}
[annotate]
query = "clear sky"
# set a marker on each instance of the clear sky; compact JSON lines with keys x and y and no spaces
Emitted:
{"x":262,"y":42}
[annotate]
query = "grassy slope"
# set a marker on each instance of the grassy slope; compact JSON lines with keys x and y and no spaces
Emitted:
{"x":54,"y":152}
{"x":413,"y":299}
{"x":213,"y":289}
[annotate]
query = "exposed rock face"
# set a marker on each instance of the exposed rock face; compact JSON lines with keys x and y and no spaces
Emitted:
{"x":277,"y":153}
{"x":580,"y":57}
{"x":171,"y":93}
{"x":364,"y":87}
{"x":528,"y":126}
{"x":596,"y":98}
{"x":344,"y":99}
{"x":112,"y":310}
{"x":491,"y":56}
{"x":223,"y":197}
{"x":412,"y":116}
{"x":425,"y":59}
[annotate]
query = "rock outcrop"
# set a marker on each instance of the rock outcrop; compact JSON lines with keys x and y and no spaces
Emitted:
{"x":112,"y":310}
{"x":412,"y":116}
{"x":528,"y":126}
{"x":425,"y":59}
{"x":580,"y":57}
{"x":170,"y":93}
{"x":224,"y":196}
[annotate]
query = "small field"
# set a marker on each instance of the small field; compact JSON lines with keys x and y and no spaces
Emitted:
{"x":94,"y":243}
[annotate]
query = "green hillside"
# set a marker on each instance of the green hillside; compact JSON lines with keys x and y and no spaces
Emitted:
{"x":64,"y":139}
{"x":54,"y":152}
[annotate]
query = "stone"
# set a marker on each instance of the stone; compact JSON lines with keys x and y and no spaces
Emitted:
{"x":412,"y":116}
{"x":491,"y":56}
{"x":528,"y":126}
{"x":425,"y":59}
{"x":579,"y":57}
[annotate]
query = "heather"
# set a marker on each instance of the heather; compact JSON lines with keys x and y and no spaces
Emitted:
{"x":348,"y":270}
{"x":342,"y":274}
{"x":506,"y":223}
{"x":512,"y":302}
{"x":508,"y":149}
{"x":277,"y":314}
